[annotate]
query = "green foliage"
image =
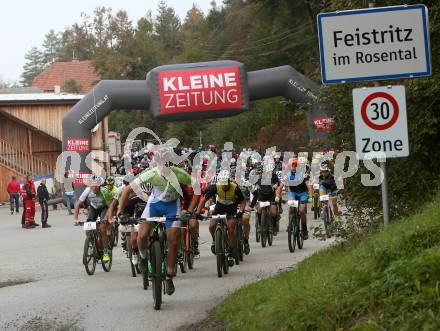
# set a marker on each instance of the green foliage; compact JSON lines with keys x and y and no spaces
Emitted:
{"x":388,"y":282}
{"x":33,"y":67}
{"x":71,"y":86}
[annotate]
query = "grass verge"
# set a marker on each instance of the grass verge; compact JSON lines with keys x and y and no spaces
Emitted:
{"x":389,"y":281}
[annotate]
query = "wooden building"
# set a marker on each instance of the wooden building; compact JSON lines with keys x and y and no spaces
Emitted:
{"x":31,"y":134}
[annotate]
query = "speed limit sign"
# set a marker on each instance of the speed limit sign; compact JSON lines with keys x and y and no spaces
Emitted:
{"x":380,"y":121}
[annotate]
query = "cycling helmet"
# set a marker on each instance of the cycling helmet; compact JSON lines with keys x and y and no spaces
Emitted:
{"x":223,"y":177}
{"x":258,"y":168}
{"x":324,"y":167}
{"x":303,"y":160}
{"x":293,"y":162}
{"x":96,"y":181}
{"x":109,"y":180}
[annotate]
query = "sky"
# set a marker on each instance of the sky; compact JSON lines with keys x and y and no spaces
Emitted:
{"x":24,"y":23}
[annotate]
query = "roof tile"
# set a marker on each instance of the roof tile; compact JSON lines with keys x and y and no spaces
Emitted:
{"x":57,"y":73}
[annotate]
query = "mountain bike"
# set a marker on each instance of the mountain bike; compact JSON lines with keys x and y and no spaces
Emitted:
{"x":316,"y":205}
{"x":182,"y":251}
{"x":221,"y":245}
{"x":157,"y":252}
{"x":127,"y":226}
{"x":93,"y":250}
{"x":187,"y":245}
{"x":239,"y":242}
{"x":266,"y":226}
{"x":327,"y":212}
{"x":294,"y":226}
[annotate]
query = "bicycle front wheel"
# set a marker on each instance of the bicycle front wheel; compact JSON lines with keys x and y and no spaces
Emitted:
{"x":157,"y":275}
{"x":89,"y":255}
{"x":219,"y":252}
{"x":130,"y":256}
{"x":291,"y":233}
{"x":189,"y":251}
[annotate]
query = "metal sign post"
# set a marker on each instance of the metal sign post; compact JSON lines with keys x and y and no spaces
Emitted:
{"x":383,"y":168}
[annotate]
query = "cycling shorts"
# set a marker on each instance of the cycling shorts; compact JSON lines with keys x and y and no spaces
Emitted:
{"x":301,"y":196}
{"x":324,"y":190}
{"x":158,"y":208}
{"x":229,"y":210}
{"x":94,"y":213}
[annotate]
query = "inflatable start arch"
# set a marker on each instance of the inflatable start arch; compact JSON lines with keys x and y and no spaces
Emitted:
{"x":183,"y":92}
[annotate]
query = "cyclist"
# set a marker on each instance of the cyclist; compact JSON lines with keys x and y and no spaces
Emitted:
{"x":190,"y":201}
{"x":228,"y":197}
{"x":271,"y":193}
{"x":94,"y":198}
{"x":327,"y":185}
{"x":135,"y":206}
{"x":109,"y":191}
{"x":163,"y":201}
{"x":299,"y":192}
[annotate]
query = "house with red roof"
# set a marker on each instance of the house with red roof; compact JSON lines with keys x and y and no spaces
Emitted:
{"x":79,"y":74}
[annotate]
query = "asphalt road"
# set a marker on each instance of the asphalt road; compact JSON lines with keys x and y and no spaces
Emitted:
{"x":59,"y":295}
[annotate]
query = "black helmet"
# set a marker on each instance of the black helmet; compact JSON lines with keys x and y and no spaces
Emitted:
{"x":109,"y":180}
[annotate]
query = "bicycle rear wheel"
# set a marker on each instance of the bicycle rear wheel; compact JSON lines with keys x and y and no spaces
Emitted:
{"x":299,"y":238}
{"x":263,"y":231}
{"x":219,"y":252}
{"x":224,"y":245}
{"x":270,"y":229}
{"x":241,"y":242}
{"x":290,"y":232}
{"x":156,"y":277}
{"x":257,"y":228}
{"x":315,"y":206}
{"x":189,"y":251}
{"x":237,"y":245}
{"x":116,"y":236}
{"x":89,"y":255}
{"x":108,"y":265}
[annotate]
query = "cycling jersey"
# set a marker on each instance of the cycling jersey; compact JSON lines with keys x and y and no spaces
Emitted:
{"x":164,"y":199}
{"x":265,"y":192}
{"x":95,"y":200}
{"x":229,"y":197}
{"x":109,"y":195}
{"x":163,"y":189}
{"x":302,"y":187}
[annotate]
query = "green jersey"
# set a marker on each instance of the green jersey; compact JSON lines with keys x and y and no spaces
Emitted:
{"x":166,"y":189}
{"x":109,"y":195}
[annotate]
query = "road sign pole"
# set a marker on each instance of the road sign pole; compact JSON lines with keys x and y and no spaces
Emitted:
{"x":385,"y":207}
{"x":383,"y":167}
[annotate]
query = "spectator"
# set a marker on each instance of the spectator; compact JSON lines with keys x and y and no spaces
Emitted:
{"x":68,"y":192}
{"x":14,"y":194}
{"x":28,"y":194}
{"x":43,"y":197}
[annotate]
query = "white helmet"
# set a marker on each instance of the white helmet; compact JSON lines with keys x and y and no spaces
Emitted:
{"x":223,"y":177}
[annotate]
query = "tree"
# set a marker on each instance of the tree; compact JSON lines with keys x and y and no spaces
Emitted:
{"x":168,"y":29}
{"x":52,"y":48}
{"x":33,"y":67}
{"x":72,"y":86}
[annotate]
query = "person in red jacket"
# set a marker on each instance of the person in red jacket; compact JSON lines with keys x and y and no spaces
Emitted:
{"x":28,"y":194}
{"x":14,"y":194}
